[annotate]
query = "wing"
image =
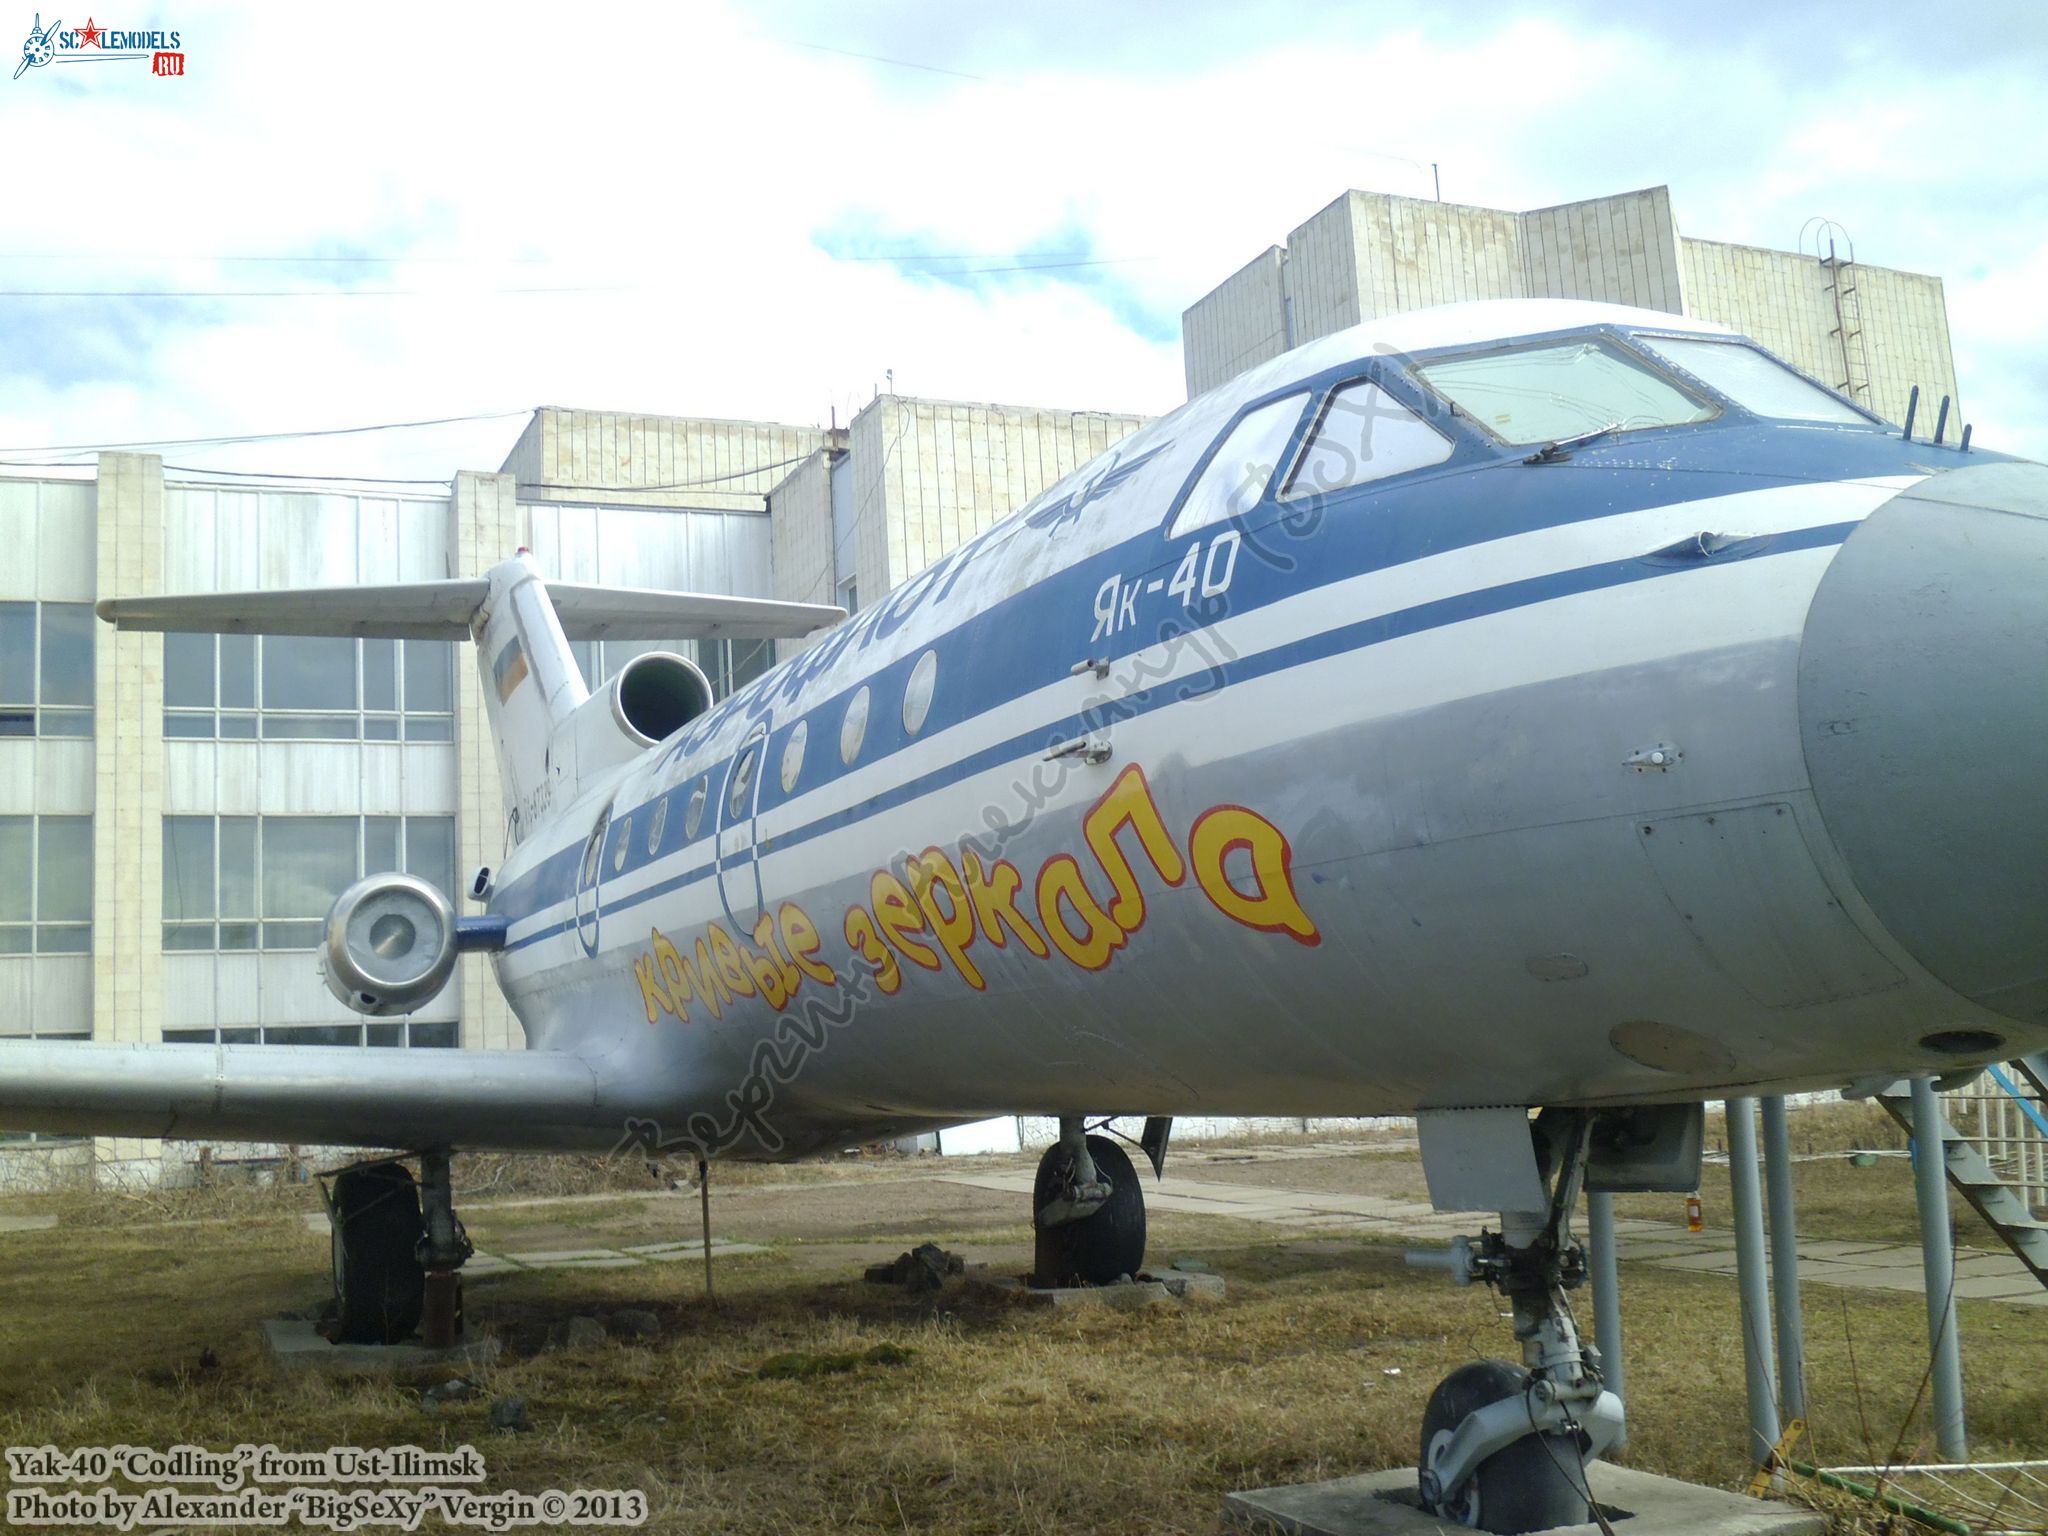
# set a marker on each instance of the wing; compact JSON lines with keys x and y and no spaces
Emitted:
{"x":309,"y":1094}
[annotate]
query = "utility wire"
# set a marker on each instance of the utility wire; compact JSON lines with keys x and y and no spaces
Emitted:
{"x":183,"y":295}
{"x":285,"y":474}
{"x":162,"y":256}
{"x":673,"y":485}
{"x":262,"y":437}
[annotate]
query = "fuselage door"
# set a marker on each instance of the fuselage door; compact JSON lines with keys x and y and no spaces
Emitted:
{"x":739,"y":871}
{"x":589,"y":875}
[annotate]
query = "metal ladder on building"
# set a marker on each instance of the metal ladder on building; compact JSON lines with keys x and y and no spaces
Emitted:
{"x":2005,"y":1199}
{"x":1848,"y":331}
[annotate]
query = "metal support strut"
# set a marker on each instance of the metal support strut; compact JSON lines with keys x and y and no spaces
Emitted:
{"x":443,"y":1250}
{"x":1085,"y":1190}
{"x":1532,"y":1262}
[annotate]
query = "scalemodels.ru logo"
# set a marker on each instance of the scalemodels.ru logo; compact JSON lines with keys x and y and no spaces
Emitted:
{"x":93,"y":44}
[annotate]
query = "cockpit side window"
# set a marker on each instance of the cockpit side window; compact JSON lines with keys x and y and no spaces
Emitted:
{"x":1562,"y":389}
{"x":1364,"y":434}
{"x":1237,"y":475}
{"x":1757,"y":383}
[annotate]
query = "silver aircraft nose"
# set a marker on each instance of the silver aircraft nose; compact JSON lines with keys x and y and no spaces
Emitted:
{"x":1923,"y":702}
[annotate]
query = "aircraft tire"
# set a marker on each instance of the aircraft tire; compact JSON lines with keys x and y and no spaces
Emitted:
{"x":376,"y":1227}
{"x":1101,"y":1247}
{"x":1531,"y":1485}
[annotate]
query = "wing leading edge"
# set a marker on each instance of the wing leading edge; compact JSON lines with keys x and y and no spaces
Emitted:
{"x":312,"y":1095}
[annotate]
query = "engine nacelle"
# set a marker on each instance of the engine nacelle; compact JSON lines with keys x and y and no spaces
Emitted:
{"x":390,"y":945}
{"x":652,"y":697}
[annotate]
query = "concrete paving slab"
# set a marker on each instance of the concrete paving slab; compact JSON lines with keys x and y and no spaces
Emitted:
{"x":1712,"y":1263}
{"x":1997,"y":1287}
{"x":295,"y":1349}
{"x":1172,"y":1286}
{"x":1986,"y":1264}
{"x":1833,"y":1248}
{"x":1645,"y":1248}
{"x":601,"y":1261}
{"x":1384,"y":1504}
{"x":1892,"y":1256}
{"x":1891,"y":1278}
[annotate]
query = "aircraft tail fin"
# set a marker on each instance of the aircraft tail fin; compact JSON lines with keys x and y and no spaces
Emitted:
{"x":522,"y":626}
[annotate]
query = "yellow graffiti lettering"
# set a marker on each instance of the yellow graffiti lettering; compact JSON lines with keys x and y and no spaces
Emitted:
{"x":1129,"y":804}
{"x":932,"y":876}
{"x":800,"y":940}
{"x":675,"y":974}
{"x":731,"y":967}
{"x":860,"y":933}
{"x":711,"y":984}
{"x":1272,"y":906}
{"x":897,"y":915}
{"x":994,"y":896}
{"x":652,"y":993}
{"x":786,"y":976}
{"x":1060,"y":878}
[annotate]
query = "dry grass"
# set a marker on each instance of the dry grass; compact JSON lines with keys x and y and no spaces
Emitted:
{"x":1000,"y":1419}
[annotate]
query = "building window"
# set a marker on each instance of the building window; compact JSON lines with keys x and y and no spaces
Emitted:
{"x":46,"y":669}
{"x":308,"y":688}
{"x":45,"y":885}
{"x":248,"y":882}
{"x":849,"y":595}
{"x":417,"y":1033}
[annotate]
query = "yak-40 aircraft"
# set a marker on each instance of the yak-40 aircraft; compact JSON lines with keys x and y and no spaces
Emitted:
{"x":1504,"y":708}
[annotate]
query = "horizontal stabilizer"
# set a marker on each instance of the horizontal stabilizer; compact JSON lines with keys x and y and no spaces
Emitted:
{"x":442,"y":610}
{"x":311,"y":1095}
{"x":414,"y":610}
{"x":639,"y":613}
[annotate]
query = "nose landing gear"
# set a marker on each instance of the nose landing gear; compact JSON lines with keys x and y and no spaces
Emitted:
{"x":1505,"y":1447}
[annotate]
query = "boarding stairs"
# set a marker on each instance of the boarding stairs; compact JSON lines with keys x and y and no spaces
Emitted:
{"x":1995,"y":1148}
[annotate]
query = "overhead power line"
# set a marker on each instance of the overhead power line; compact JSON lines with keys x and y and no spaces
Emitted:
{"x":673,"y":485}
{"x":285,"y":474}
{"x":263,"y":437}
{"x":164,"y":256}
{"x":183,"y":294}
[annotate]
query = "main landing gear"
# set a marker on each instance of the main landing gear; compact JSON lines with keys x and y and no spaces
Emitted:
{"x":396,"y":1248}
{"x":1505,"y":1447}
{"x":1088,"y":1209}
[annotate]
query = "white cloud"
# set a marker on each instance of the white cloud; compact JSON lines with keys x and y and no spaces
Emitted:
{"x":687,"y":159}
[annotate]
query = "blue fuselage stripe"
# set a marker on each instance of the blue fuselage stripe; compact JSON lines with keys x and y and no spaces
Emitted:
{"x":1359,"y":635}
{"x":1030,"y":638}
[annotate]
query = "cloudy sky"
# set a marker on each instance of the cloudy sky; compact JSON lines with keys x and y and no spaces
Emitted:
{"x":354,"y":215}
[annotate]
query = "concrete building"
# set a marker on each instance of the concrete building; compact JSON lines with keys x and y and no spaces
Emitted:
{"x":911,"y":480}
{"x":177,"y":812}
{"x":1869,"y":331}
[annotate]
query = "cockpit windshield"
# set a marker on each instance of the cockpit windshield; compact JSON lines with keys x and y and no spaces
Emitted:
{"x":1757,"y":383}
{"x":1562,"y":389}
